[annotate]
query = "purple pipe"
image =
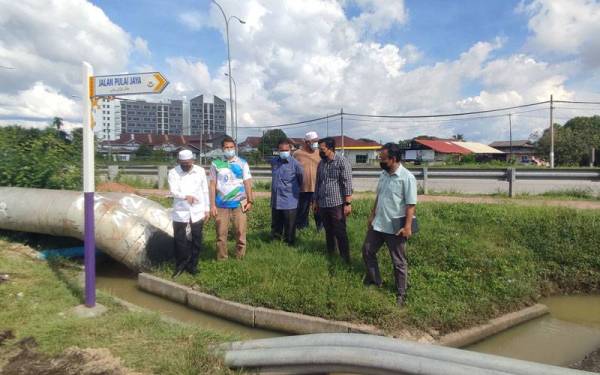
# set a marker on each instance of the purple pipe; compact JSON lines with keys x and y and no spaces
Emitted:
{"x":89,"y":249}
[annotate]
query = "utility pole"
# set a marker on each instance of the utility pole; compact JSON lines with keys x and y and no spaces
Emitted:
{"x":342,"y":125}
{"x":510,"y":135}
{"x":551,"y":133}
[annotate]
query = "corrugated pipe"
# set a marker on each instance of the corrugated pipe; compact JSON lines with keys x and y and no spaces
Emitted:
{"x":133,"y":230}
{"x":369,"y":354}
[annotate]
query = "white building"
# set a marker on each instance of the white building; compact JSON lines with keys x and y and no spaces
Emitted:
{"x":107,"y":118}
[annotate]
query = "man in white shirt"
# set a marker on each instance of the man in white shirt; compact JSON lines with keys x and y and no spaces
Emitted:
{"x":189,"y":189}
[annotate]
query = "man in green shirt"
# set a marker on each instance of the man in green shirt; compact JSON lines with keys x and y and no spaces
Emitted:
{"x":391,"y":219}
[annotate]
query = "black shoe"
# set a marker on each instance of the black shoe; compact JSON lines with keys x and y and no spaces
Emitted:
{"x":177,"y":273}
{"x":368,"y":282}
{"x":400,"y":301}
{"x":193,"y":271}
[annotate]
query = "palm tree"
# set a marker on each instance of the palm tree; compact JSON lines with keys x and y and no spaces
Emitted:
{"x":58,"y":123}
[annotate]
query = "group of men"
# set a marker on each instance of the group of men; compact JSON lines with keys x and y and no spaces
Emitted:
{"x":315,"y":177}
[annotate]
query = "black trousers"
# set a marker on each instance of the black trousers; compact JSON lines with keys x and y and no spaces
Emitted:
{"x":283,"y":225}
{"x":334,"y":222}
{"x":186,"y":253}
{"x":397,"y":248}
{"x":304,"y":204}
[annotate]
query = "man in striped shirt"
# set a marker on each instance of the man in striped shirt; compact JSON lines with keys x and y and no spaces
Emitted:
{"x":333,"y":196}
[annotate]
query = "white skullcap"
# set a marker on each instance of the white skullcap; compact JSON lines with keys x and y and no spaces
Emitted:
{"x":311,"y":136}
{"x":185,"y":155}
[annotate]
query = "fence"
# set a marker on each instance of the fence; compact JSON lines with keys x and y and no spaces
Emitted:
{"x":425,"y":174}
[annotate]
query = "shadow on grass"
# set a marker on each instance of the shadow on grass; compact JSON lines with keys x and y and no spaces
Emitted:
{"x":59,"y":267}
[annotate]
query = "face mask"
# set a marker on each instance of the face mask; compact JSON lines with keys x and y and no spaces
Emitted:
{"x":315,"y":145}
{"x":384,"y":166}
{"x":284,"y":154}
{"x":229,"y":153}
{"x":186,"y":167}
{"x":322,"y":155}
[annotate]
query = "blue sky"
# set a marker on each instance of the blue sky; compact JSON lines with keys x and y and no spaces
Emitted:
{"x":299,"y":59}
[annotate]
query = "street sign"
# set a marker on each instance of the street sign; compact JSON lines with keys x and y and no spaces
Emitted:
{"x":128,"y":84}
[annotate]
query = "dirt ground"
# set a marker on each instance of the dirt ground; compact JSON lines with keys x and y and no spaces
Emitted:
{"x":115,"y":187}
{"x":22,"y":358}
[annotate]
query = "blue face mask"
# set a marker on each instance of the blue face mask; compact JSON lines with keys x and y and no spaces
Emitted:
{"x":229,"y":153}
{"x":284,"y":154}
{"x":315,"y":145}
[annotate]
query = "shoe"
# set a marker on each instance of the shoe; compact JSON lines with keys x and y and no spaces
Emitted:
{"x":400,"y":301}
{"x":177,"y":272}
{"x":368,"y":282}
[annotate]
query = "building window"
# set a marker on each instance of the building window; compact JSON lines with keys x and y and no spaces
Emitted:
{"x":361,"y":159}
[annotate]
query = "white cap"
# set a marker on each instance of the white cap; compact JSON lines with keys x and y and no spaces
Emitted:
{"x":185,"y":155}
{"x":311,"y":136}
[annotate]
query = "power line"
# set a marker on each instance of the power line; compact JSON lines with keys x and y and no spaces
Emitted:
{"x":575,"y":102}
{"x":291,"y":123}
{"x":449,"y":114}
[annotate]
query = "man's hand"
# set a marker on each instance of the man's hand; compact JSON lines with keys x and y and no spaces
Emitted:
{"x":405,"y":232}
{"x":213,"y":211}
{"x":370,"y":221}
{"x":315,"y":207}
{"x":248,"y":206}
{"x":347,"y":210}
{"x":190,"y":199}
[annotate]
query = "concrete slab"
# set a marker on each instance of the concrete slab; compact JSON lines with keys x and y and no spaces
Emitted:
{"x":295,"y":323}
{"x":220,"y":307}
{"x":82,"y":311}
{"x":164,"y":288}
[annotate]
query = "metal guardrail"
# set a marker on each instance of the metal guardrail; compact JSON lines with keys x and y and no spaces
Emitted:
{"x":511,"y":175}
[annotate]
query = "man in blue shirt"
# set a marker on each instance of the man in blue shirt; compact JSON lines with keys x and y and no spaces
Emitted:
{"x":391,"y":219}
{"x":285,"y":192}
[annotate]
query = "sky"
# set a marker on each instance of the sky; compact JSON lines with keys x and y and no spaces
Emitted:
{"x":300,"y":59}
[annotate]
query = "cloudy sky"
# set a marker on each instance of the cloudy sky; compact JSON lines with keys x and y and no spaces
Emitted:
{"x":301,"y":59}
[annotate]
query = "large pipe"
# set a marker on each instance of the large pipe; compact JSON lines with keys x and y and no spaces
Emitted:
{"x":337,"y":352}
{"x":134,"y":231}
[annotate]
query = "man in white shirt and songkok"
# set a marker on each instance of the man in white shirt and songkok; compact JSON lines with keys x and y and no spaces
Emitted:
{"x":191,"y":206}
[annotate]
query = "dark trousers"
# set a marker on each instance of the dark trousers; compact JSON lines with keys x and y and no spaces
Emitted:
{"x":397,"y":247}
{"x":283,"y":225}
{"x":334,"y":222}
{"x":186,"y":253}
{"x":304,"y":204}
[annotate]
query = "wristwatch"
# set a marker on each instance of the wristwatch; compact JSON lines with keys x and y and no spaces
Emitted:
{"x":347,"y":203}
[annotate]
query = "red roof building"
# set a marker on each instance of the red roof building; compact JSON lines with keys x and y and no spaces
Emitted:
{"x":443,"y":147}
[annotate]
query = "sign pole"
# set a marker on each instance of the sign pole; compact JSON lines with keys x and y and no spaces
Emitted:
{"x":89,"y":242}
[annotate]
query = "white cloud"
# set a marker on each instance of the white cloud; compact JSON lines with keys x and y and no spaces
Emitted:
{"x":379,"y":15}
{"x":47,"y":41}
{"x":141,"y":46}
{"x":565,"y":27}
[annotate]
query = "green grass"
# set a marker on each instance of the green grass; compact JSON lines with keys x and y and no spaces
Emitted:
{"x":258,"y":185}
{"x":586,"y":194}
{"x":142,"y":340}
{"x":137,"y":182}
{"x":468,"y":263}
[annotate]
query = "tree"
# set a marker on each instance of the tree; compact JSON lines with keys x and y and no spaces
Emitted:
{"x":144,"y":151}
{"x":57,"y":122}
{"x":459,"y":137}
{"x":573,"y":141}
{"x":269,"y":141}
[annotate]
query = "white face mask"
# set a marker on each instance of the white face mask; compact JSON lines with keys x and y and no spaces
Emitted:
{"x":229,"y":153}
{"x":315,"y":145}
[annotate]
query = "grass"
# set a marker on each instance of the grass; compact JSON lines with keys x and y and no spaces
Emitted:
{"x":258,"y":185}
{"x":49,"y":290}
{"x":137,"y":182}
{"x":468,"y":263}
{"x":586,"y":194}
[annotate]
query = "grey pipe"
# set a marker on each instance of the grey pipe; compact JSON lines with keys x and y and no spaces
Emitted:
{"x":449,"y":356}
{"x":132,"y":230}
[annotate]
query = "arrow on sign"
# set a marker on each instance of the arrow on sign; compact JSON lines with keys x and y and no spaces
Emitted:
{"x":128,"y":84}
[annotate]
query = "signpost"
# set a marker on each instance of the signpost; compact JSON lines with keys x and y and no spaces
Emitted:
{"x":94,"y":88}
{"x":129,"y":84}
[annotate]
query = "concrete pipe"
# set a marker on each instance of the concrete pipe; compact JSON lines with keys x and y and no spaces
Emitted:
{"x":416,"y":351}
{"x":134,"y":231}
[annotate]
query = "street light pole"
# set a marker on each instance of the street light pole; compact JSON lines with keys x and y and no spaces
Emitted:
{"x":236,"y":109}
{"x":228,"y":58}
